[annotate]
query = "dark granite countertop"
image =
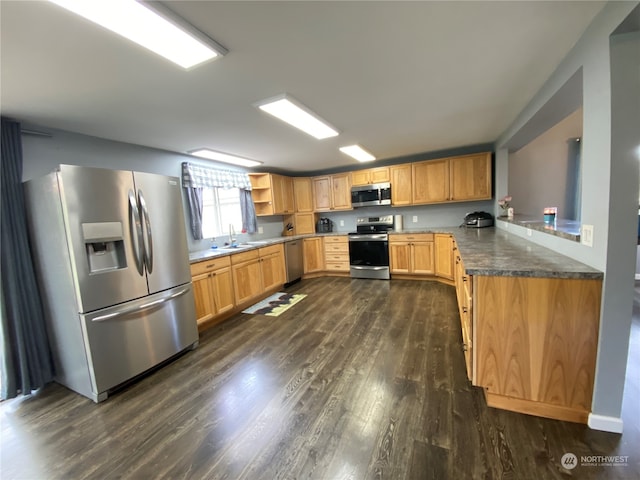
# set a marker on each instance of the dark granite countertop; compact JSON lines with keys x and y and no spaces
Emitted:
{"x":494,"y":252}
{"x":485,"y":251}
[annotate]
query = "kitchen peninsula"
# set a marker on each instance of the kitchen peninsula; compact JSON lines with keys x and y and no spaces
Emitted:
{"x":529,"y":316}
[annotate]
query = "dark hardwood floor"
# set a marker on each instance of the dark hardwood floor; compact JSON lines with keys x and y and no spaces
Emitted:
{"x":361,"y":380}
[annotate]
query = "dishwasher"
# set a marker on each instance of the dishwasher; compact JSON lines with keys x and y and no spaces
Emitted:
{"x":293,"y":259}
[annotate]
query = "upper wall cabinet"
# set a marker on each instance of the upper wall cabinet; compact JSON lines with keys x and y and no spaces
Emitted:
{"x":370,"y":175}
{"x":400,"y":184}
{"x":303,"y":193}
{"x":453,"y":179}
{"x":272,"y":194}
{"x":332,"y":192}
{"x":470,"y":177}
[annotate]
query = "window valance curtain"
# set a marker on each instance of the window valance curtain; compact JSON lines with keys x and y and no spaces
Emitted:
{"x":198,"y":176}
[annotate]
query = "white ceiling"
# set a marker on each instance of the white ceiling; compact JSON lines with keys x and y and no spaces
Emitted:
{"x":399,"y":78}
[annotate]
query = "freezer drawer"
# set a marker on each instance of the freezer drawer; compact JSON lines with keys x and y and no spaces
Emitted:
{"x":128,"y":339}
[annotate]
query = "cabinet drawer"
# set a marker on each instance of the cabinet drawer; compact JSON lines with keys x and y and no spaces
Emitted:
{"x":416,"y":237}
{"x":271,"y":249}
{"x":210,"y":265}
{"x":336,"y":257}
{"x":336,"y":239}
{"x":336,"y":247}
{"x":237,"y":258}
{"x":333,"y":266}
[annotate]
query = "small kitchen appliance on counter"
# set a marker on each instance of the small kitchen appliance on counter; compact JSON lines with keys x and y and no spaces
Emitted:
{"x":478,"y":220}
{"x":369,"y":247}
{"x":324,"y":225}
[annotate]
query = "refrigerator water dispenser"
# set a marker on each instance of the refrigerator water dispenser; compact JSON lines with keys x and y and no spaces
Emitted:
{"x":104,"y":246}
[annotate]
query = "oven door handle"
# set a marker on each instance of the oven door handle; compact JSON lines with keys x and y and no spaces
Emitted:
{"x":368,"y":238}
{"x":367,"y":268}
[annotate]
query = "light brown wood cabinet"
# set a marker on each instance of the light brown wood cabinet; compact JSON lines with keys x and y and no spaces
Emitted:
{"x":304,"y":223}
{"x":336,"y":253}
{"x":247,"y":276}
{"x":272,"y":194}
{"x":283,"y":199}
{"x":470,"y":177}
{"x":313,"y":254}
{"x":444,"y":255}
{"x":332,"y":192}
{"x":401,"y":184}
{"x":411,"y":254}
{"x":464,"y":289}
{"x":213,"y":289}
{"x":256,"y":272}
{"x":303,"y":194}
{"x":272,"y":266}
{"x":535,"y":343}
{"x":430,"y":181}
{"x":370,"y":175}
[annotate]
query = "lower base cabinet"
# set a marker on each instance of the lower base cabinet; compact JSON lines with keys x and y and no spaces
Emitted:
{"x":213,"y":289}
{"x":411,"y":254}
{"x":313,"y":254}
{"x":531,"y":343}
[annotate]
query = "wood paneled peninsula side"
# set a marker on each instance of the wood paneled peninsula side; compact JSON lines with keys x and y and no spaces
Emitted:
{"x":530,"y":319}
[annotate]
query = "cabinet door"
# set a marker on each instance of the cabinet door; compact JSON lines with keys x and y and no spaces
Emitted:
{"x":203,"y":296}
{"x":399,"y":257}
{"x":288,"y":201}
{"x":322,"y":194}
{"x":444,"y":256}
{"x":272,"y":267}
{"x":222,"y":286}
{"x":471,"y":177}
{"x":313,"y":254}
{"x":341,"y":191}
{"x":430,"y":183}
{"x":361,"y":177}
{"x":303,"y":194}
{"x":379,"y":175}
{"x":247,"y":281}
{"x":401,"y":184}
{"x":304,"y":223}
{"x":422,"y":258}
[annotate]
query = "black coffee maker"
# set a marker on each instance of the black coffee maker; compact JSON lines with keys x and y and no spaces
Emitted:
{"x":324,"y":225}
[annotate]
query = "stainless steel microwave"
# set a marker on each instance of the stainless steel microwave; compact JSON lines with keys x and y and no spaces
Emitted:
{"x":371,"y":195}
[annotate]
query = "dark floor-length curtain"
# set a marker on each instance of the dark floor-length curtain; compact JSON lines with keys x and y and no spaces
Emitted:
{"x":196,"y":205}
{"x":26,"y":358}
{"x":248,"y":210}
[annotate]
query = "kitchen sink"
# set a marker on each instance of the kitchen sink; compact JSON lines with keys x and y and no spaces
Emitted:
{"x":258,"y":242}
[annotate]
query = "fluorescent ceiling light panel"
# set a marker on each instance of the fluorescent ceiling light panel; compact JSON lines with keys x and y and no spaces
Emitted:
{"x":224,"y":157}
{"x":152,"y":26}
{"x":297,"y":115}
{"x":357,"y":152}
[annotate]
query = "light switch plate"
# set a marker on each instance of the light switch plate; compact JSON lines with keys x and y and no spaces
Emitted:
{"x":586,"y":235}
{"x":342,"y":223}
{"x":260,"y":230}
{"x":415,"y":219}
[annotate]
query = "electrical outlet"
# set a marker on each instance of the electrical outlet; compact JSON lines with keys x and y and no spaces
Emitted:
{"x":415,"y":219}
{"x":586,"y":235}
{"x":529,"y":232}
{"x":342,"y":223}
{"x":260,"y":230}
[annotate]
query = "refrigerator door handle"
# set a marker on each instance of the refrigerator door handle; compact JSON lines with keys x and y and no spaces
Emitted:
{"x":146,"y":228}
{"x":139,"y":308}
{"x":135,"y":230}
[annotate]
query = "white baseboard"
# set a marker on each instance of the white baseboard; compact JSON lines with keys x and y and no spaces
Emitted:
{"x":605,"y":423}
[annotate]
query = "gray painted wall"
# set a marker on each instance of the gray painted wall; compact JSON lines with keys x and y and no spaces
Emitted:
{"x":42,"y":154}
{"x":539,"y":171}
{"x":610,"y":183}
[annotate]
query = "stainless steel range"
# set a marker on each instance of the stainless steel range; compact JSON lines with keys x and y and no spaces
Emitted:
{"x":369,"y":247}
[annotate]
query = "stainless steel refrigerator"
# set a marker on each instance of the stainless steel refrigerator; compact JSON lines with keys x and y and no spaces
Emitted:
{"x":113,"y":269}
